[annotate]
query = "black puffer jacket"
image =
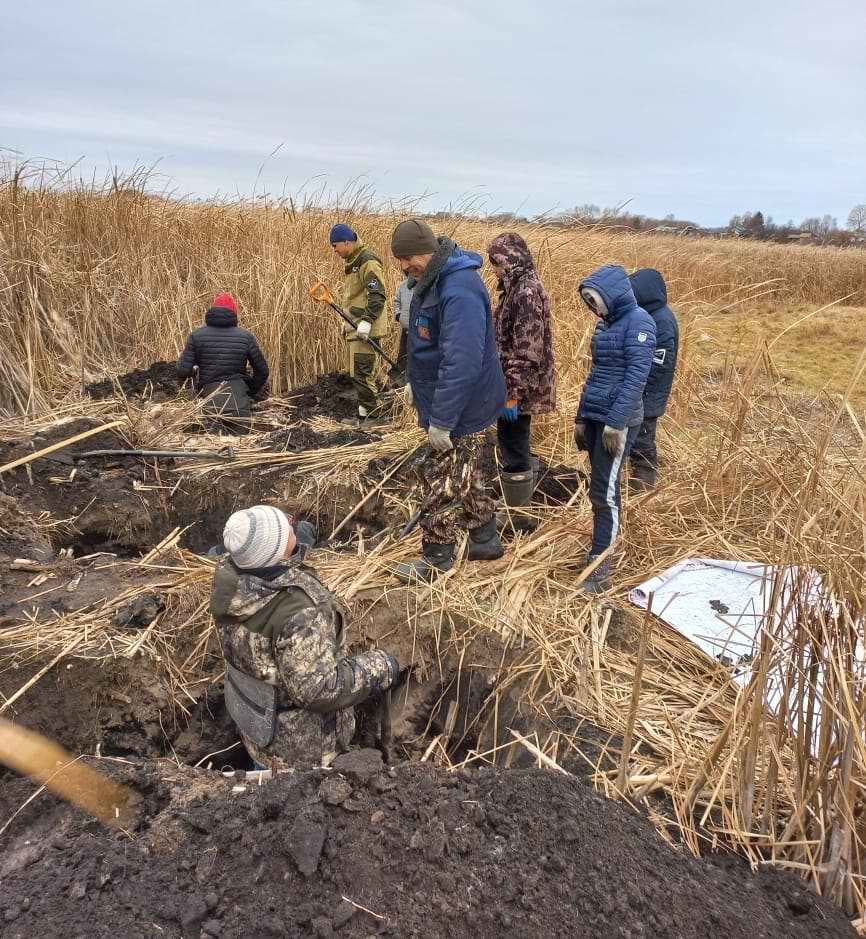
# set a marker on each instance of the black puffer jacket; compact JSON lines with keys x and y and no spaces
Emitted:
{"x":221,"y":351}
{"x":651,"y":293}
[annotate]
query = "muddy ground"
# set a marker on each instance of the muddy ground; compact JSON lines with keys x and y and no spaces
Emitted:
{"x":362,"y":851}
{"x":516,"y":852}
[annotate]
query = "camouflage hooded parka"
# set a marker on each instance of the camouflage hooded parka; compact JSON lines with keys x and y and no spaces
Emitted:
{"x":524,"y":332}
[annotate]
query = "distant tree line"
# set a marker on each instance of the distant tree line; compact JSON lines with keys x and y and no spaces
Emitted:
{"x":823,"y":230}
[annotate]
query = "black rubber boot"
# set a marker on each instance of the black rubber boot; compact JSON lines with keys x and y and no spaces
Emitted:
{"x":599,"y":580}
{"x":436,"y":559}
{"x":517,"y":490}
{"x":642,"y":477}
{"x":484,"y":543}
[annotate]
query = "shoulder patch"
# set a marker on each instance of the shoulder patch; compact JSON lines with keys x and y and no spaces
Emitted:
{"x":641,"y":337}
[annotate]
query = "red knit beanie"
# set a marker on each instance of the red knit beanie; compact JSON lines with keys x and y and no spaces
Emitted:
{"x":226,"y":301}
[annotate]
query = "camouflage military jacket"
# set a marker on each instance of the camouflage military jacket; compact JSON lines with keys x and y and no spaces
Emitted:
{"x":287,"y":630}
{"x":524,"y":333}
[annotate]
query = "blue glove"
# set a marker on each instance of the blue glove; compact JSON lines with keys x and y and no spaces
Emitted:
{"x":510,"y":414}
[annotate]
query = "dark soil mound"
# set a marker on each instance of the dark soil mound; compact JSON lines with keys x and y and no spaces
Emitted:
{"x":158,"y":380}
{"x":332,"y":395}
{"x":516,"y":853}
{"x":297,"y":439}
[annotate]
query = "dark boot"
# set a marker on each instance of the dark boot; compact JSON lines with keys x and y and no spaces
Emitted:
{"x":517,"y":490}
{"x":599,"y":580}
{"x":642,"y":476}
{"x":484,"y":543}
{"x":436,"y":559}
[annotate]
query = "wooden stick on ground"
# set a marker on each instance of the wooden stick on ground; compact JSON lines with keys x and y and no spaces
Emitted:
{"x":622,"y":776}
{"x":38,"y":757}
{"x":59,"y":446}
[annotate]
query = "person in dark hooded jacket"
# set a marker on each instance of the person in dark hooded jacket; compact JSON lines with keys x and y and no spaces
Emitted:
{"x":219,"y":352}
{"x":611,"y":406}
{"x":524,"y":338}
{"x":651,"y":293}
{"x":457,"y":388}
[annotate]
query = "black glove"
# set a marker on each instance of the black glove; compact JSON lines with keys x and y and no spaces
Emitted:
{"x":580,"y":435}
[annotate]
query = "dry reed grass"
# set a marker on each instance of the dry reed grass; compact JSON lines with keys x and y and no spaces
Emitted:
{"x":97,"y":279}
{"x":749,"y":472}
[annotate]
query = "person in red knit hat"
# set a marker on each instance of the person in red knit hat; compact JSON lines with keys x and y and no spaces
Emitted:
{"x":216,"y":356}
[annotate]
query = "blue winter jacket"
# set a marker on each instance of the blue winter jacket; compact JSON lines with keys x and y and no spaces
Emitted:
{"x":457,"y":381}
{"x":651,"y":293}
{"x":622,"y":353}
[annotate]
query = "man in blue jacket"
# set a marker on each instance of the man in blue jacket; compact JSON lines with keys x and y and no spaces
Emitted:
{"x":458,"y":389}
{"x":611,"y":406}
{"x":651,"y":293}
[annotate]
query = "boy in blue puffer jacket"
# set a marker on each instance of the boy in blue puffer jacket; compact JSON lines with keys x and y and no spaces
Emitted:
{"x":611,"y":406}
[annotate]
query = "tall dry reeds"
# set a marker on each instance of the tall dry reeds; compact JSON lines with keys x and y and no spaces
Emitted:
{"x":99,"y":278}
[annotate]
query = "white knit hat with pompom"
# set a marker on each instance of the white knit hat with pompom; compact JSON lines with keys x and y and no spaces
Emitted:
{"x":257,"y":537}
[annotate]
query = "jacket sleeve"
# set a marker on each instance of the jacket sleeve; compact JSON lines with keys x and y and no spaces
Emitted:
{"x":525,"y":351}
{"x":316,"y":673}
{"x":188,"y":358}
{"x":260,"y":366}
{"x":639,"y":342}
{"x":462,"y":332}
{"x":664,"y":358}
{"x":374,"y":292}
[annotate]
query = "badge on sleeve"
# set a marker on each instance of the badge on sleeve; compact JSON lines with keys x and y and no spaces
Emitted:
{"x":641,"y":337}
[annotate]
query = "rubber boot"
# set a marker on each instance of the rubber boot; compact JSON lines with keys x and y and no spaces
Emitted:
{"x":599,"y":580}
{"x":642,"y":476}
{"x":436,"y":559}
{"x":484,"y":543}
{"x":517,"y":490}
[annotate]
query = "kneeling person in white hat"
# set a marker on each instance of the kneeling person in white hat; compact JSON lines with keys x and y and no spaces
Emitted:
{"x":290,"y":685}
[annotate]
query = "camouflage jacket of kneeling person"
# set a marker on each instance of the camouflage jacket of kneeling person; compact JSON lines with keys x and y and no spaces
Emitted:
{"x":282,"y":626}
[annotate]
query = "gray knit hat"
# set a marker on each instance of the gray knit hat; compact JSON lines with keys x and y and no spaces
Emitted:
{"x":257,"y":537}
{"x":413,"y":237}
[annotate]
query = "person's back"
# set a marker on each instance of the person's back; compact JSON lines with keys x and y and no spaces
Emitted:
{"x":290,"y":686}
{"x":220,"y":351}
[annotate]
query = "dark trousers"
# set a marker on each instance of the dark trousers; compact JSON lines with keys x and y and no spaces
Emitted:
{"x":399,"y":373}
{"x":512,"y":441}
{"x":362,"y":368}
{"x":604,"y":491}
{"x":644,"y":449}
{"x":230,"y":403}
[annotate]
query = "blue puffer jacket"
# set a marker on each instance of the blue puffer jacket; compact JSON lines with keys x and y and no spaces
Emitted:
{"x":457,"y":381}
{"x":622,"y":353}
{"x":651,"y":293}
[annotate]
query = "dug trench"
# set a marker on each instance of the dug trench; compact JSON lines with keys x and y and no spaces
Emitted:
{"x":419,"y":848}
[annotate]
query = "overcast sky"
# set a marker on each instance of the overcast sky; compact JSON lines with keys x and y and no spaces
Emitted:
{"x":698,"y":109}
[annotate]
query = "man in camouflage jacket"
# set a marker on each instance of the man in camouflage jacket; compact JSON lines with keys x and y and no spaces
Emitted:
{"x":524,"y":337}
{"x":282,"y":628}
{"x":363,"y":298}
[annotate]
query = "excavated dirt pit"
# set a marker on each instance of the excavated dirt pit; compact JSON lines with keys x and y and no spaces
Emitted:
{"x":359,"y":850}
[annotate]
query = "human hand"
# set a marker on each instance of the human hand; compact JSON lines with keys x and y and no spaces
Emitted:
{"x":613,"y":439}
{"x":439,"y":439}
{"x":580,"y":435}
{"x":511,"y":411}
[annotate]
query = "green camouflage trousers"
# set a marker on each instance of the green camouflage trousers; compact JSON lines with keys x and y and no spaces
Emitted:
{"x":454,"y":476}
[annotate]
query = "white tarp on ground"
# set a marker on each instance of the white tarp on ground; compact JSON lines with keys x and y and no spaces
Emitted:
{"x":721,"y":605}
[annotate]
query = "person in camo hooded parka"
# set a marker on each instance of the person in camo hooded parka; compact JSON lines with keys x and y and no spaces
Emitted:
{"x":524,"y":338}
{"x":290,"y":684}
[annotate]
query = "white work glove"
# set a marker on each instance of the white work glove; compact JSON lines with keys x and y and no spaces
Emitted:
{"x":439,"y":439}
{"x":408,"y":396}
{"x":613,"y":440}
{"x":363,"y":329}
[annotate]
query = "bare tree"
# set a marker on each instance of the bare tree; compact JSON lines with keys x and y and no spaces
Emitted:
{"x":857,"y":218}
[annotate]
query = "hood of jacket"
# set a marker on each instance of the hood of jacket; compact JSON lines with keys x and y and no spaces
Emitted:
{"x":449,"y":257}
{"x":513,"y":256}
{"x":221,"y":316}
{"x":240,"y":594}
{"x":650,"y":289}
{"x":612,"y":282}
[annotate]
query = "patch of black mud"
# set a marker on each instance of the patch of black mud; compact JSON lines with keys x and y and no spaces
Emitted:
{"x":158,"y":380}
{"x":332,"y":395}
{"x":298,"y":439}
{"x":558,"y":483}
{"x":425,"y":853}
